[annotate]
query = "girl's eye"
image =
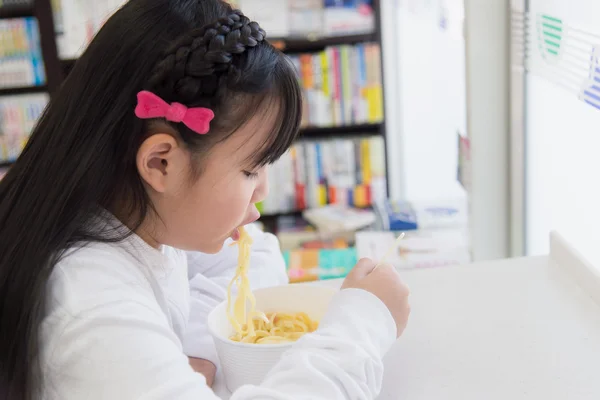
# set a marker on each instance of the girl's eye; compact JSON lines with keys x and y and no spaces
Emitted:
{"x":251,"y":175}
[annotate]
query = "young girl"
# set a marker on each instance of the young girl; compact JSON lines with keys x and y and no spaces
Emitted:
{"x":157,"y":141}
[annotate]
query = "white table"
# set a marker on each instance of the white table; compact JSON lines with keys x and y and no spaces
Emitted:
{"x":512,"y":329}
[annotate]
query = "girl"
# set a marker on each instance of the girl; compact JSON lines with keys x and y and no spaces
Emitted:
{"x":158,"y":140}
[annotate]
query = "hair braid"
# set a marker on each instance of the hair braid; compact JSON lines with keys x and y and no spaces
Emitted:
{"x":196,"y":63}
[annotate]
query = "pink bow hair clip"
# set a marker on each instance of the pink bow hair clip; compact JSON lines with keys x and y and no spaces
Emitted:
{"x":151,"y":106}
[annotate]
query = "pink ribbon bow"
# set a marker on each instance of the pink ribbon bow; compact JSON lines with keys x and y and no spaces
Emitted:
{"x":151,"y":106}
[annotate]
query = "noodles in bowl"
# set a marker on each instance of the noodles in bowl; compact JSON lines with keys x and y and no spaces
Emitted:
{"x":279,"y":328}
{"x":246,"y":362}
{"x":247,"y":352}
{"x":252,"y":326}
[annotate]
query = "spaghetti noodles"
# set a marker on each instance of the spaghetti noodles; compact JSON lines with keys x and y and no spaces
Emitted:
{"x":253,"y":326}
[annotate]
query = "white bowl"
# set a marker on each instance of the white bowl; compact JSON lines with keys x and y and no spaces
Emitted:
{"x":247,"y":363}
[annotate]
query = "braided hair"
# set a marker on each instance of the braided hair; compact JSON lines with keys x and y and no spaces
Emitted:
{"x":81,"y":155}
{"x":201,"y":61}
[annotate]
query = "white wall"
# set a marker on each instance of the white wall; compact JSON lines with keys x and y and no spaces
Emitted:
{"x":487,"y":41}
{"x":391,"y":89}
{"x":563,"y":141}
{"x":432,"y":96}
{"x":424,"y":69}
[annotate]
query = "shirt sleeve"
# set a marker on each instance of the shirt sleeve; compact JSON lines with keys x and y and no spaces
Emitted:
{"x":126,"y":350}
{"x":209,"y":275}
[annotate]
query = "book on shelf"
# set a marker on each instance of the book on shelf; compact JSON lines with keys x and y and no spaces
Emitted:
{"x":402,"y":215}
{"x":18,"y":116}
{"x":311,"y":18}
{"x":304,"y":265}
{"x":349,"y":171}
{"x":344,"y":17}
{"x":341,"y":85}
{"x":21,"y":62}
{"x":273,"y":16}
{"x":320,"y":259}
{"x":306,"y":18}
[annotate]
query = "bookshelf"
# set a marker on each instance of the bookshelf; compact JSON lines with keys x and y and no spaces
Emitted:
{"x":309,"y":44}
{"x":23,"y":90}
{"x":16,"y":11}
{"x":57,"y":70}
{"x":269,"y":221}
{"x":326,"y":136}
{"x":27,"y":99}
{"x":318,"y":132}
{"x":41,"y":10}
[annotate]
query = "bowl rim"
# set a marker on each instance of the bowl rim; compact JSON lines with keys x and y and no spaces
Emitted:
{"x":223,"y":339}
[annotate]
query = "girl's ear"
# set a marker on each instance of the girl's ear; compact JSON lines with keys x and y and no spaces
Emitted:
{"x":160,"y":161}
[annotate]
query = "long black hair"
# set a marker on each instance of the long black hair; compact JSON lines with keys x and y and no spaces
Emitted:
{"x":81,"y":155}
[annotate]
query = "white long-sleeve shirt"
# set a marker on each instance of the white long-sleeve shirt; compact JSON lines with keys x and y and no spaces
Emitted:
{"x":209,"y":275}
{"x":118,"y":314}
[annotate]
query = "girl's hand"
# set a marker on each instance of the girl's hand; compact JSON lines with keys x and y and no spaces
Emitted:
{"x":384,"y":282}
{"x":204,"y":367}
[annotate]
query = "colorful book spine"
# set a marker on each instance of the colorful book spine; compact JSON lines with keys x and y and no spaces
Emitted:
{"x":374,"y":84}
{"x":341,"y":85}
{"x":306,"y":82}
{"x":346,"y":84}
{"x":326,"y":94}
{"x":362,"y":108}
{"x":338,"y":115}
{"x":335,"y":171}
{"x":322,"y":177}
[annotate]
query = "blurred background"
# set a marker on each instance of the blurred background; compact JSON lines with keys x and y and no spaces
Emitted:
{"x":468,"y":124}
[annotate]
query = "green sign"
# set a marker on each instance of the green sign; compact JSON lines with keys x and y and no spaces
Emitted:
{"x":550,"y":32}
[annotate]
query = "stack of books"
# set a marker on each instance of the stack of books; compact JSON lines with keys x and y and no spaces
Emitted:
{"x":21,"y":62}
{"x":320,"y":260}
{"x":18,"y":115}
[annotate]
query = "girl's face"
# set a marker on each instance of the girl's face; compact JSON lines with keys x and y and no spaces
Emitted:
{"x":201,"y":214}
